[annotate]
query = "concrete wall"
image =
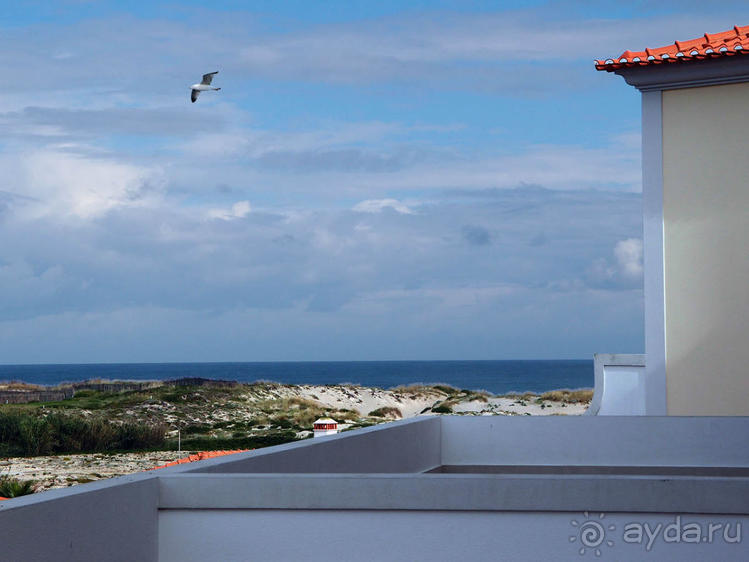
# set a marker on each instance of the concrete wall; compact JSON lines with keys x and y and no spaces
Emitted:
{"x":706,"y":254}
{"x":477,"y":516}
{"x":289,"y":535}
{"x":113,"y":520}
{"x":404,"y":446}
{"x":595,"y":440}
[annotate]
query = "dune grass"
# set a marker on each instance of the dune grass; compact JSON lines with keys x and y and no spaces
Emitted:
{"x":568,"y":396}
{"x":386,"y":412}
{"x":27,"y":433}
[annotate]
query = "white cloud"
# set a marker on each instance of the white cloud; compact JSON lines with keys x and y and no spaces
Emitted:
{"x":381,"y":164}
{"x":628,"y":255}
{"x":238,"y":210}
{"x":433,"y":48}
{"x":66,"y":184}
{"x":327,"y":272}
{"x":626,"y":270}
{"x":377,"y":205}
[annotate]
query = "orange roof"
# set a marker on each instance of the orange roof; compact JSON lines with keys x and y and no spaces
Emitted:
{"x":711,"y":45}
{"x":199,"y":457}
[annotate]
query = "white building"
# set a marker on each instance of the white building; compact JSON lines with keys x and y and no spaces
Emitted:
{"x":696,"y":224}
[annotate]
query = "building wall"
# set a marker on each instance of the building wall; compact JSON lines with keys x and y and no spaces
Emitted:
{"x":113,"y":520}
{"x":706,"y":249}
{"x":366,"y":536}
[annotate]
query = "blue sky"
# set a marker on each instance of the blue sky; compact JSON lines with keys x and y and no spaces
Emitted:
{"x":375,"y":180}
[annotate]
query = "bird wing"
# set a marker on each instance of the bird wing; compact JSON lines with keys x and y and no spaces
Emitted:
{"x":194,"y":95}
{"x":207,"y":78}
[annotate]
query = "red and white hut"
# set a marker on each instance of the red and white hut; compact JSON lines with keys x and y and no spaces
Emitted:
{"x":325,"y":426}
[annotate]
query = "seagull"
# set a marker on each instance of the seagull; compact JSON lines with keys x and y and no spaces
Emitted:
{"x":205,"y":84}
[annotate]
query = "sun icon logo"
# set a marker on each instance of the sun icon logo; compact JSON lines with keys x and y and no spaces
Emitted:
{"x":591,"y":534}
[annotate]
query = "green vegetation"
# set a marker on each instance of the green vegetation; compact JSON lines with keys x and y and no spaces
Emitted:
{"x":443,"y":408}
{"x":524,"y":396}
{"x":446,"y":388}
{"x":231,"y":443}
{"x":13,"y":488}
{"x":29,"y":433}
{"x":568,"y":396}
{"x":421,"y":389}
{"x":207,"y":416}
{"x":386,"y":412}
{"x":109,"y":416}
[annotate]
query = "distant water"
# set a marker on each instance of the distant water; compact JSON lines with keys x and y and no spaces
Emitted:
{"x":497,"y":377}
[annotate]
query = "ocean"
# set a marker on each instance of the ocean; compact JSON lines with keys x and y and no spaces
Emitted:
{"x":497,"y":377}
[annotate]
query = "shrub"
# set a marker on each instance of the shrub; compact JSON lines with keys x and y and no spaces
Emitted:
{"x":305,"y":418}
{"x":24,"y":433}
{"x":446,"y":388}
{"x":417,"y":389}
{"x":196,"y":429}
{"x":283,"y":423}
{"x":444,"y":408}
{"x":247,"y":442}
{"x":34,"y":435}
{"x":386,"y":412}
{"x":13,"y":488}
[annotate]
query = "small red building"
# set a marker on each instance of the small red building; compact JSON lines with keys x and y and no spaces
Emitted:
{"x":325,"y":426}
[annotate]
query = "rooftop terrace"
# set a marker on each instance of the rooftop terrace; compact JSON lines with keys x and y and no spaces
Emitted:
{"x":407,"y":489}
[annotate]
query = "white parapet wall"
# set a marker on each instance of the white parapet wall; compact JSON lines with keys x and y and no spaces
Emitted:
{"x":620,"y":385}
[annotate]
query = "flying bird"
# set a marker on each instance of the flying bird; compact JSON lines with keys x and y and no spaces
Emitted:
{"x":205,"y":84}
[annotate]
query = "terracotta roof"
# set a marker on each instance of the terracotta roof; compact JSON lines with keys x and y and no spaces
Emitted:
{"x":199,"y":457}
{"x":711,"y":45}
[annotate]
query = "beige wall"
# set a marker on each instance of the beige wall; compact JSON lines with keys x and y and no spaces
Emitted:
{"x":706,"y":249}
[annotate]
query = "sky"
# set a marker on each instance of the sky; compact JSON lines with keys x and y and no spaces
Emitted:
{"x":374,"y":181}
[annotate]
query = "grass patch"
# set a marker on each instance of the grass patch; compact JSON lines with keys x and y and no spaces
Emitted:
{"x":97,"y":400}
{"x":446,"y":388}
{"x":19,"y":385}
{"x":418,"y":389}
{"x":229,"y":443}
{"x":520,"y":396}
{"x":569,"y":396}
{"x":24,"y":433}
{"x":196,"y":429}
{"x":443,"y":408}
{"x":386,"y":412}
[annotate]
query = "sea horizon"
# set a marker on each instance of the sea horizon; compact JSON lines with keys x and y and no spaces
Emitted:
{"x":493,"y":375}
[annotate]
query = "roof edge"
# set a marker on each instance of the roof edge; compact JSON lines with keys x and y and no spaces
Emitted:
{"x":733,"y":42}
{"x":697,"y":73}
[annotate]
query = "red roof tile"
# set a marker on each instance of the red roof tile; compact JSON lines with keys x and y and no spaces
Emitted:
{"x":199,"y":457}
{"x":711,"y":45}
